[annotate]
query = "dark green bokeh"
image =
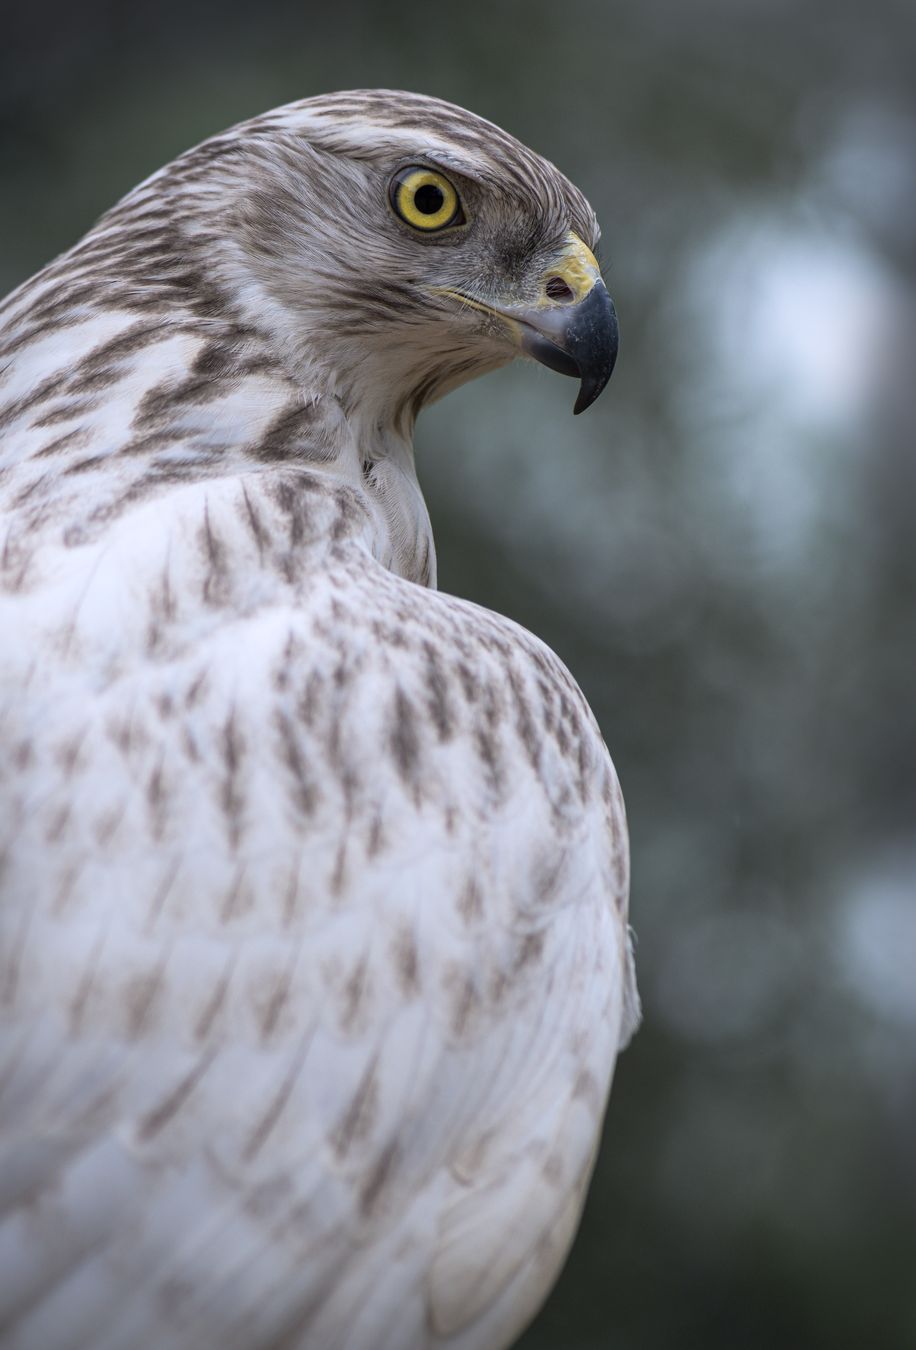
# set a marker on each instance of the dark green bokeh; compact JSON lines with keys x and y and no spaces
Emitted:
{"x":722,"y":551}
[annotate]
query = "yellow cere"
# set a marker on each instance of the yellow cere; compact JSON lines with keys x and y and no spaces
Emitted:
{"x":577,"y":266}
{"x":425,"y":199}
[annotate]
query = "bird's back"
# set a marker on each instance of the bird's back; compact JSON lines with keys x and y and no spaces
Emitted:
{"x":309,"y":886}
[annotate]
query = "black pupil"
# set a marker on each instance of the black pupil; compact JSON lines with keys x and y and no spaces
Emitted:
{"x":429,"y":199}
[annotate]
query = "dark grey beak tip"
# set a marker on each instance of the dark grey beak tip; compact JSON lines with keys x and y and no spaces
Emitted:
{"x":593,"y":341}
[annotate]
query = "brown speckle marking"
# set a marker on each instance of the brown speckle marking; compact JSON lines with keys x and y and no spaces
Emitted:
{"x":470,"y":901}
{"x":524,"y":721}
{"x":376,"y":839}
{"x":142,"y":993}
{"x":68,"y":752}
{"x":489,"y":751}
{"x":308,"y":704}
{"x":155,"y":1120}
{"x":216,"y":579}
{"x":57,"y":824}
{"x":71,"y":440}
{"x":23,"y":496}
{"x":460,"y":985}
{"x":545,"y":876}
{"x":157,"y":799}
{"x":291,"y":898}
{"x":164,"y":599}
{"x":584,"y":764}
{"x":23,"y":755}
{"x":289,"y":436}
{"x":438,"y":699}
{"x":83,"y":465}
{"x":552,"y":1169}
{"x":586,"y":1089}
{"x":165,"y":705}
{"x":159,"y":898}
{"x":405,"y":743}
{"x":377,"y":1180}
{"x":16,"y":564}
{"x":340,"y":869}
{"x":232,"y":798}
{"x":279,"y":996}
{"x":616,"y":822}
{"x":302,"y":791}
{"x":233,"y":901}
{"x":620,"y":876}
{"x":469,"y":682}
{"x":215,"y":1002}
{"x":16,"y":956}
{"x":65,"y":889}
{"x":530,"y":950}
{"x":154,"y":637}
{"x":196,"y":689}
{"x":254,"y":522}
{"x":121,"y":732}
{"x":406,"y":962}
{"x":499,"y":986}
{"x":262,"y":1130}
{"x":355,"y":989}
{"x":357,"y":1121}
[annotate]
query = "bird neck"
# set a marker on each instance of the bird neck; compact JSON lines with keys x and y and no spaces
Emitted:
{"x":186,"y":400}
{"x":347,"y":410}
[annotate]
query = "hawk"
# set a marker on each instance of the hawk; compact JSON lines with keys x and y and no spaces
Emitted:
{"x":314,"y":959}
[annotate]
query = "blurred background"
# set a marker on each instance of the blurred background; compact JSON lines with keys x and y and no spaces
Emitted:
{"x":723,"y":550}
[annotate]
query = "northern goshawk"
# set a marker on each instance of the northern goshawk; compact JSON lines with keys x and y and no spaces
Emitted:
{"x":314,"y":957}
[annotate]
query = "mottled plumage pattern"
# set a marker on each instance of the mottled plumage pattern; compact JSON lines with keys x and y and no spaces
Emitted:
{"x":313,"y":960}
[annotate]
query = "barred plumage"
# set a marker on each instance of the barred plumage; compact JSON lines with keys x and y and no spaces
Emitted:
{"x":314,"y":960}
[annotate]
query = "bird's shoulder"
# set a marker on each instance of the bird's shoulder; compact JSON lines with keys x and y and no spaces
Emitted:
{"x":215,"y":692}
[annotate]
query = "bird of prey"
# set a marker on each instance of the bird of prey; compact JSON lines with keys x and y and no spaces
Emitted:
{"x":314,"y":959}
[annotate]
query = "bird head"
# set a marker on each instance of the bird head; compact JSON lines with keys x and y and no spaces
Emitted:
{"x":401,"y":246}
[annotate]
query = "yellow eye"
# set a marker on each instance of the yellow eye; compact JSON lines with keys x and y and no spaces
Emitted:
{"x":425,"y":199}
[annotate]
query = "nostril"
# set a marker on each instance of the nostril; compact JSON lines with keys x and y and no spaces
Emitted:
{"x":557,"y":289}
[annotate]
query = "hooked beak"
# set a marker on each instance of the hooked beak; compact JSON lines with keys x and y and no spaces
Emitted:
{"x":572,"y":326}
{"x":580,"y":341}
